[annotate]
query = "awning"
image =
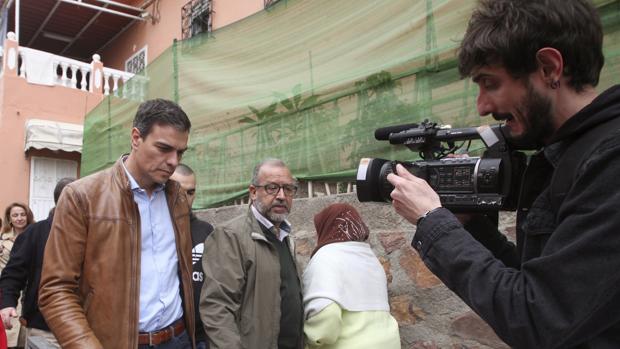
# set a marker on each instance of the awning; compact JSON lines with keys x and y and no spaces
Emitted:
{"x":47,"y":134}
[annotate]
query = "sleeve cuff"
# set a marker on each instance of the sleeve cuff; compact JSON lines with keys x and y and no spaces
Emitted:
{"x":435,"y":224}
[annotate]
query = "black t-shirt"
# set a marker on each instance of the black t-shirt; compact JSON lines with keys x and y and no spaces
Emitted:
{"x":200,"y":230}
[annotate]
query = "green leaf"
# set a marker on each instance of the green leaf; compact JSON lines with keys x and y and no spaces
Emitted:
{"x":309,"y":102}
{"x":297,"y":100}
{"x":271,"y":109}
{"x":288,"y":104}
{"x":254,"y":110}
{"x":247,"y":120}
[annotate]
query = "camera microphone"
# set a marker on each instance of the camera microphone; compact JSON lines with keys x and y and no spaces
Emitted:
{"x":383,"y":133}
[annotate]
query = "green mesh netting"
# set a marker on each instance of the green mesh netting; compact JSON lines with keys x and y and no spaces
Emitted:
{"x":308,"y":82}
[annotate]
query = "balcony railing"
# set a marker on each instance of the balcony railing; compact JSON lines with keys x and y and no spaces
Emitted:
{"x":39,"y":67}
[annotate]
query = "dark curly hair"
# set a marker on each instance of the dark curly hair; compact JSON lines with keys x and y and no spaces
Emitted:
{"x":510,"y":33}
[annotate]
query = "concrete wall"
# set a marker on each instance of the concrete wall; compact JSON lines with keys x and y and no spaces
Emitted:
{"x":430,"y":315}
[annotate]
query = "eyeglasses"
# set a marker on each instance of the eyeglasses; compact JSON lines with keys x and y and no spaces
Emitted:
{"x":273,"y":188}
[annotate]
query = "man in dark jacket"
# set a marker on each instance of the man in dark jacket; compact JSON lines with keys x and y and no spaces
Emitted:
{"x":23,"y":272}
{"x":536,"y":64}
{"x":200,"y":230}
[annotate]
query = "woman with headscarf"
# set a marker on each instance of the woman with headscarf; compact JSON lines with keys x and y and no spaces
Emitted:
{"x":345,"y":287}
{"x":17,"y":217}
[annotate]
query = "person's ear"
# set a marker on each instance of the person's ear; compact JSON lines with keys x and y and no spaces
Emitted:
{"x":136,"y":138}
{"x":550,"y":66}
{"x":252,"y":190}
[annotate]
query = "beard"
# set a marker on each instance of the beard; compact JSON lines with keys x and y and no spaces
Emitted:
{"x":266,"y":210}
{"x":535,"y":111}
{"x":535,"y":114}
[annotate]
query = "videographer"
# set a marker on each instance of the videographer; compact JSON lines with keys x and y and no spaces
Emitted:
{"x":536,"y":64}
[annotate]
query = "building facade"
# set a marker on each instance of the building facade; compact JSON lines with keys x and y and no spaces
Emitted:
{"x":60,"y":58}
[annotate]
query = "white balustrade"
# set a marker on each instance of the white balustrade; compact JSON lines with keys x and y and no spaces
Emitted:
{"x":74,"y":70}
{"x":106,"y":82}
{"x":123,"y":84}
{"x":22,"y":67}
{"x":64,"y":78}
{"x":64,"y":72}
{"x":125,"y":93}
{"x":115,"y":87}
{"x":83,"y":72}
{"x":67,"y":67}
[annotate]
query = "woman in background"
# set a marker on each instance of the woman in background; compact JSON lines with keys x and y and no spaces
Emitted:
{"x":17,"y":217}
{"x":345,"y":287}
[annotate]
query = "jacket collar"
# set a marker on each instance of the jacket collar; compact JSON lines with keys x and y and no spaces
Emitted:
{"x":256,"y":233}
{"x":604,"y":107}
{"x":120,"y":176}
{"x":133,"y":184}
{"x":284,"y":228}
{"x":123,"y":181}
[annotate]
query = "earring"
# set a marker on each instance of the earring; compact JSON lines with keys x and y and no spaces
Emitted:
{"x":555,"y":84}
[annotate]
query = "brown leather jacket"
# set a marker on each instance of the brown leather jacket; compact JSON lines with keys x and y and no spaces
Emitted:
{"x":90,"y":283}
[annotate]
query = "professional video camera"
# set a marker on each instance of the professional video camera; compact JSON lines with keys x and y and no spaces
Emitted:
{"x":464,"y":184}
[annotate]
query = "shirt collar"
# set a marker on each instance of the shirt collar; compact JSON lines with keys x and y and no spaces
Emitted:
{"x":285,"y":226}
{"x":132,"y":182}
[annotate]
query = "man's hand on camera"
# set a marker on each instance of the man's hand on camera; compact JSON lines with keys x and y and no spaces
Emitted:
{"x":412,"y":197}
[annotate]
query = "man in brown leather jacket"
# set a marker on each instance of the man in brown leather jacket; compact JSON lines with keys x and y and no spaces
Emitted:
{"x":117,"y":266}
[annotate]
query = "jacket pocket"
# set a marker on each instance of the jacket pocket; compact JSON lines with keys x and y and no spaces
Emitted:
{"x":534,"y":244}
{"x":538,"y":227}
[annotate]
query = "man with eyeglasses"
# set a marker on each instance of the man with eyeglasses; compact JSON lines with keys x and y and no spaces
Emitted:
{"x":251,"y":296}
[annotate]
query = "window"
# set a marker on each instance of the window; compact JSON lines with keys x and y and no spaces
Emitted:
{"x":269,"y":3}
{"x":136,"y":63}
{"x":196,"y":18}
{"x":44,"y":174}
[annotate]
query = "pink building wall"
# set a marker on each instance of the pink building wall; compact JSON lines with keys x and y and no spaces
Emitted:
{"x":229,"y":11}
{"x":159,"y":36}
{"x":19,"y":102}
